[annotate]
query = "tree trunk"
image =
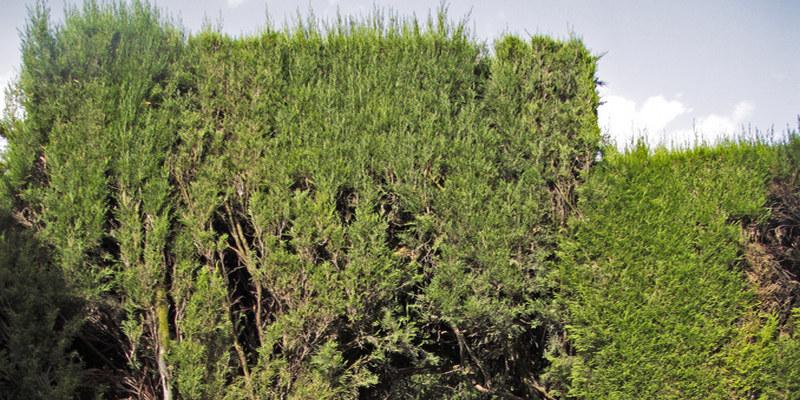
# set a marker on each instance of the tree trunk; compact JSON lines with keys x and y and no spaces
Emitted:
{"x":162,"y":309}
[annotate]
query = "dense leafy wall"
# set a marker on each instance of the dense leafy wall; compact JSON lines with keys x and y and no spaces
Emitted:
{"x":655,"y":276}
{"x":372,"y":208}
{"x":363,"y":209}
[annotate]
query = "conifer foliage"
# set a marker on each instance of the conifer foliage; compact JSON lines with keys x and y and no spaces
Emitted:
{"x":375,"y":208}
{"x":359,"y":208}
{"x":669,"y":294}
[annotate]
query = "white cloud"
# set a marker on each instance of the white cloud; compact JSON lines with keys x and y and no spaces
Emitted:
{"x":623,"y":120}
{"x":657,"y":112}
{"x":725,"y":125}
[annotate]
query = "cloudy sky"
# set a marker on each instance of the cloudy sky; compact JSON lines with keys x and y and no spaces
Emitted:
{"x":674,"y":70}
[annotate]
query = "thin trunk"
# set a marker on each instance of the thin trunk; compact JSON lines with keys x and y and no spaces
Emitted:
{"x":162,"y":309}
{"x":259,"y":323}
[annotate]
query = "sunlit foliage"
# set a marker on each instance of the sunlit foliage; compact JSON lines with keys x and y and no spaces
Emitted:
{"x":342,"y":209}
{"x":372,"y":208}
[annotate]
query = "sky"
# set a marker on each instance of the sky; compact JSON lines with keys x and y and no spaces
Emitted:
{"x":675,"y":71}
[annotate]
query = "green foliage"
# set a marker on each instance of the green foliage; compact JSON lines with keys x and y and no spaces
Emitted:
{"x":347,"y":209}
{"x":88,"y":166}
{"x":201,"y":356}
{"x":364,"y":208}
{"x":37,"y":320}
{"x":652,"y":276}
{"x":346,"y":174}
{"x":784,"y":366}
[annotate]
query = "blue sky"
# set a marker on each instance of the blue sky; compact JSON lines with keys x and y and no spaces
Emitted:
{"x":674,"y":70}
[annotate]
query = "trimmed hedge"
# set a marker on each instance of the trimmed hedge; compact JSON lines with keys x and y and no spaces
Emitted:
{"x":372,"y":208}
{"x":359,"y":208}
{"x":654,"y":278}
